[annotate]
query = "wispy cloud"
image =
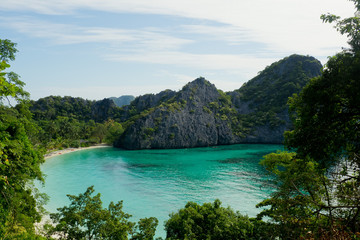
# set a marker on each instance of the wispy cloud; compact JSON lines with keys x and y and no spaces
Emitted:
{"x":230,"y":34}
{"x":225,"y":62}
{"x":72,"y":34}
{"x":283,"y":24}
{"x":149,"y":45}
{"x":224,"y":39}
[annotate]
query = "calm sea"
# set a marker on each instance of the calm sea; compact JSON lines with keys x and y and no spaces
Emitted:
{"x":154,"y":183}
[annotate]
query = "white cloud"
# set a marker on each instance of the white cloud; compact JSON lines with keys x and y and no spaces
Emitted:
{"x":180,"y":79}
{"x":231,"y":34}
{"x":64,"y":33}
{"x":153,"y":39}
{"x":144,"y":45}
{"x":288,"y":26}
{"x":280,"y":27}
{"x":250,"y":65}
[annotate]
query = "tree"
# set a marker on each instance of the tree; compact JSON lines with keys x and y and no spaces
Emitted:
{"x":108,"y":131}
{"x":145,"y":229}
{"x":85,"y":218}
{"x":19,"y":160}
{"x":299,"y":204}
{"x":113,"y":131}
{"x":10,"y":84}
{"x":349,"y":26}
{"x":318,"y":185}
{"x":99,"y":132}
{"x":208,"y":221}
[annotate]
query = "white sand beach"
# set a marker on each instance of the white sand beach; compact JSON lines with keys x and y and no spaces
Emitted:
{"x":69,"y":150}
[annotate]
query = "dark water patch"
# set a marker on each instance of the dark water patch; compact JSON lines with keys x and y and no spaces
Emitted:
{"x":259,"y":154}
{"x":252,"y":177}
{"x":244,"y":174}
{"x":141,"y":165}
{"x":115,"y":166}
{"x":264,"y":181}
{"x":232,"y":160}
{"x":158,"y":153}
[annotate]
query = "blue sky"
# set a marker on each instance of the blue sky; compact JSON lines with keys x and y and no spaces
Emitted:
{"x":102,"y":48}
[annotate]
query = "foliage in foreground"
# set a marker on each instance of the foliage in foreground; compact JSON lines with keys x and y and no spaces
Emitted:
{"x":212,"y":221}
{"x":307,"y":203}
{"x":318,"y":186}
{"x":20,"y":161}
{"x":85,"y":218}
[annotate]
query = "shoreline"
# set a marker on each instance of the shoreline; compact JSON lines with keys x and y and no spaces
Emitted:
{"x":70,"y":150}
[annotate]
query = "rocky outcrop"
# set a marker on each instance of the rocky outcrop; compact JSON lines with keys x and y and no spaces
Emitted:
{"x":182,"y":121}
{"x":200,"y":115}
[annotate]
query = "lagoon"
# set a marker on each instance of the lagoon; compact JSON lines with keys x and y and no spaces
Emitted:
{"x":154,"y":183}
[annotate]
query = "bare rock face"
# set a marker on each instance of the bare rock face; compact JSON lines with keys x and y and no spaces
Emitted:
{"x":201,"y":115}
{"x":179,"y":122}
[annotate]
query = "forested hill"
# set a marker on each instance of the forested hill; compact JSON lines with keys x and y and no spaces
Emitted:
{"x":72,"y":122}
{"x":122,"y":100}
{"x":270,"y":89}
{"x":201,"y":115}
{"x":52,"y":107}
{"x":198,"y":115}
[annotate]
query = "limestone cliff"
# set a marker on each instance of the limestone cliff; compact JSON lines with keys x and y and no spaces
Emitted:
{"x":201,"y":115}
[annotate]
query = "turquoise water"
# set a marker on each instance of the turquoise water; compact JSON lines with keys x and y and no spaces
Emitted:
{"x":154,"y":183}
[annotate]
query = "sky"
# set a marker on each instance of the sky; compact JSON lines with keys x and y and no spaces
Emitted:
{"x":102,"y":48}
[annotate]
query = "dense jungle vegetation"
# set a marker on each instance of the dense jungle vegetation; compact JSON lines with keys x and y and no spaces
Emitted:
{"x":318,"y":179}
{"x":74,"y":122}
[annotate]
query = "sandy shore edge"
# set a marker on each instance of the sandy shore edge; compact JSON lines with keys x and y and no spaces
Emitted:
{"x":70,"y":150}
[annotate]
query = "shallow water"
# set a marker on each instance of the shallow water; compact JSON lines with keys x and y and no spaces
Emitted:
{"x":154,"y":183}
